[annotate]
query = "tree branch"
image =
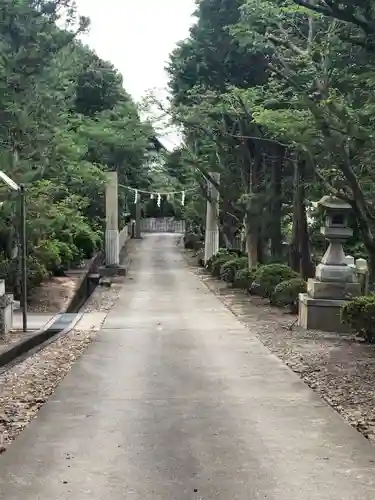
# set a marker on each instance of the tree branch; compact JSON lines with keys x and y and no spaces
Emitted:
{"x":341,"y":14}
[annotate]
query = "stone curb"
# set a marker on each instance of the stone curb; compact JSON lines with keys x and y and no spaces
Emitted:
{"x":35,"y":340}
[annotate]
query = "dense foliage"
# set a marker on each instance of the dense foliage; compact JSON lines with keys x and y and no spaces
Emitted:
{"x":229,"y":269}
{"x":244,"y":278}
{"x":278,"y":97}
{"x":269,"y":276}
{"x":65,"y":121}
{"x":359,"y":315}
{"x":276,"y":282}
{"x":286,"y":293}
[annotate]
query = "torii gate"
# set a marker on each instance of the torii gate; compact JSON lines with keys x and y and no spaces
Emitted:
{"x":112,"y":240}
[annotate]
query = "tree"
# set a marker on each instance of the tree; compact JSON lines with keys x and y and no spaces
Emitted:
{"x":298,"y":125}
{"x":66,"y":120}
{"x":359,"y":14}
{"x":325,"y":85}
{"x":207,"y":75}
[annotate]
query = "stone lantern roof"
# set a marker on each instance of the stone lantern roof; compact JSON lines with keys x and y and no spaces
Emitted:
{"x":334,"y":203}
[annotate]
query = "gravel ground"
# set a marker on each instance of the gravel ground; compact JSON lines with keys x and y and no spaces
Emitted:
{"x":11,"y":338}
{"x":27,"y":386}
{"x":54,"y":295}
{"x":338,"y":367}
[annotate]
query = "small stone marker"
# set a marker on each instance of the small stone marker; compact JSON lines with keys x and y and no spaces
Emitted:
{"x":349,"y":259}
{"x":363,"y":275}
{"x":6,"y":310}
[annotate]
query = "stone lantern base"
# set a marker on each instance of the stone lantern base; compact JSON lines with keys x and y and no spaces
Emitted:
{"x":320,"y":314}
{"x":318,"y":311}
{"x":317,"y":289}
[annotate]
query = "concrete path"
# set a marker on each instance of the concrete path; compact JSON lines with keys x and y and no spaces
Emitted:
{"x":176,"y":400}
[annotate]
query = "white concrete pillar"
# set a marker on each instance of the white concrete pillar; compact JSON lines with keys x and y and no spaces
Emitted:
{"x":211,"y":242}
{"x":138,"y":218}
{"x":112,"y":250}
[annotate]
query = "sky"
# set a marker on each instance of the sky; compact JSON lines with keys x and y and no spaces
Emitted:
{"x":137,"y":36}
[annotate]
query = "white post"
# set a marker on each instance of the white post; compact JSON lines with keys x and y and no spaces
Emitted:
{"x":112,"y":250}
{"x":363,"y":275}
{"x":138,"y":218}
{"x":211,"y":242}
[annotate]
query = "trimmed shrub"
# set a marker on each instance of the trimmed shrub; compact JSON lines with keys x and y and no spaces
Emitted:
{"x":268,"y":276}
{"x":286,"y":293}
{"x":244,"y":278}
{"x":200,"y":256}
{"x":359,"y":315}
{"x":192,"y":241}
{"x":229,"y":269}
{"x":219,"y":262}
{"x":218,"y":255}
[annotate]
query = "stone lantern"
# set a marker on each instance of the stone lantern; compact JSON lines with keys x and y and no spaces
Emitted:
{"x":333,"y":266}
{"x":335,"y":281}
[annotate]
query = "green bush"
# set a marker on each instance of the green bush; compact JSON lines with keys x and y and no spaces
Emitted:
{"x":268,"y":276}
{"x":286,"y":293}
{"x":218,"y":255}
{"x":229,"y":269}
{"x":359,"y":315}
{"x":87,"y":242}
{"x":47,"y":252}
{"x":192,"y":241}
{"x":9,"y":271}
{"x":217,"y":263}
{"x":56,"y":255}
{"x":244,"y":278}
{"x":36,"y":272}
{"x":200,"y":256}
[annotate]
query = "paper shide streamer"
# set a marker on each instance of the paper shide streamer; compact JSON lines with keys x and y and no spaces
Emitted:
{"x":169,"y":196}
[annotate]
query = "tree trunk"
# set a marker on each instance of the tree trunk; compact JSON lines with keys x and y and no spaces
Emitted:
{"x":367,"y":232}
{"x":228,"y":231}
{"x":294,"y":248}
{"x":300,"y":251}
{"x":251,"y":244}
{"x":262,"y":243}
{"x":306,"y":265}
{"x":275,"y":205}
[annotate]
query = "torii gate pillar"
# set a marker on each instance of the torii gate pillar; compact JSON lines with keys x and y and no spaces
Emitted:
{"x":138,"y":218}
{"x":112,"y":250}
{"x":211,"y":242}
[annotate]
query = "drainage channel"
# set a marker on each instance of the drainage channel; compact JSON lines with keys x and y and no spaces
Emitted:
{"x":61,"y":324}
{"x":37,"y":341}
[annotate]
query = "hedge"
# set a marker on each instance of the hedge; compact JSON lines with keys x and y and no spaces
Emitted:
{"x":244,"y":278}
{"x":228,"y":269}
{"x":268,"y":276}
{"x":286,"y":293}
{"x":359,"y":315}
